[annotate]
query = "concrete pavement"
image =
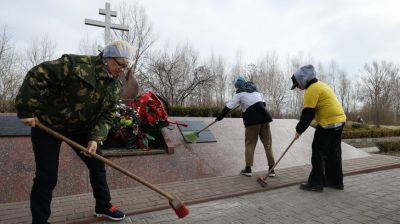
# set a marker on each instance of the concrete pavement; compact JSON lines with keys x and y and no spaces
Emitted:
{"x":367,"y":198}
{"x":139,"y":200}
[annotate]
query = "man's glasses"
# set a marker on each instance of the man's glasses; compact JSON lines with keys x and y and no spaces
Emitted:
{"x":121,"y":65}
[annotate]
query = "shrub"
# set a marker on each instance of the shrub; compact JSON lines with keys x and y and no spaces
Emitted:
{"x":370,"y":133}
{"x":178,"y":111}
{"x":388,"y":146}
{"x":356,"y":125}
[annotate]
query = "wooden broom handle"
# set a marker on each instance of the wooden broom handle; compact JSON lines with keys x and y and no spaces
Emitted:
{"x":206,"y":126}
{"x":276,"y":163}
{"x":212,"y":123}
{"x":104,"y":160}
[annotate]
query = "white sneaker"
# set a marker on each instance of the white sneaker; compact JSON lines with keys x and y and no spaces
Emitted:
{"x":272,"y":173}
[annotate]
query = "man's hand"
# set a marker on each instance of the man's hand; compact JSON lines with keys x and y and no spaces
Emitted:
{"x":297,"y":135}
{"x":31,"y":121}
{"x":91,"y":147}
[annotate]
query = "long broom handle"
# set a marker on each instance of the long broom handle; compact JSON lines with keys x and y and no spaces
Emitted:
{"x":106,"y":161}
{"x":276,"y":163}
{"x":211,"y":123}
{"x":206,"y":127}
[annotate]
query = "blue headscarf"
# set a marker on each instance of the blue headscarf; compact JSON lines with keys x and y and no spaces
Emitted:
{"x":242,"y":85}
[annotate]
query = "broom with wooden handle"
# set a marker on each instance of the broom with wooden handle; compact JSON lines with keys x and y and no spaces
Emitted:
{"x":179,"y":207}
{"x":263,"y":180}
{"x":192,"y":136}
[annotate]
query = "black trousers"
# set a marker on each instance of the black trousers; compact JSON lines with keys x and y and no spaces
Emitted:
{"x":326,"y":158}
{"x":46,"y":149}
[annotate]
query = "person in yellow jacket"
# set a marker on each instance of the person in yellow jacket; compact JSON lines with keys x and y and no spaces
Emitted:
{"x":321,"y":103}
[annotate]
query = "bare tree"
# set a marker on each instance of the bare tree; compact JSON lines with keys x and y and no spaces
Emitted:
{"x":395,"y":101}
{"x":268,"y":77}
{"x":140,"y":34}
{"x":294,"y":103}
{"x":378,"y":79}
{"x":344,"y":91}
{"x":10,"y":79}
{"x":40,"y":50}
{"x":175,"y":76}
{"x":88,"y":47}
{"x":331,"y":76}
{"x":219,"y":88}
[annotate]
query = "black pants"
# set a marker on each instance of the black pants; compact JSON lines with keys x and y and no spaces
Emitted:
{"x":326,"y":158}
{"x":46,"y":150}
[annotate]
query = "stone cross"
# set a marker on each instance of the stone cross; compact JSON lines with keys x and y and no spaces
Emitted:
{"x":107,"y":23}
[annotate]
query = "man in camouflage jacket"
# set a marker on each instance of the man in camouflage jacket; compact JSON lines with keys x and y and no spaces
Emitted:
{"x":76,"y":96}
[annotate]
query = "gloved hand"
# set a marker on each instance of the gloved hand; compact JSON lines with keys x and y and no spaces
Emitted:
{"x":219,"y":117}
{"x":222,"y":114}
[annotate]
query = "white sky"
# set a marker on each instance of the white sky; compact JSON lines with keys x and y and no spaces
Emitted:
{"x":351,"y":32}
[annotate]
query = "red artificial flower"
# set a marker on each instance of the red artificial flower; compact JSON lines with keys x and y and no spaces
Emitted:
{"x":150,"y":118}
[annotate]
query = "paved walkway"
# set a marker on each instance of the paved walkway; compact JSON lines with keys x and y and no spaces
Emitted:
{"x":368,"y":199}
{"x":380,"y":187}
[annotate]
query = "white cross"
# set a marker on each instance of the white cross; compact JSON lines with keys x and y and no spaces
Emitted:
{"x":107,"y":23}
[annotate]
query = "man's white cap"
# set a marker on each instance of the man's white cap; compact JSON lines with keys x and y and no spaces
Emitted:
{"x":118,"y":49}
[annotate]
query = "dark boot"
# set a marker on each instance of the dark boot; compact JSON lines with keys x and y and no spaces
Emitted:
{"x":310,"y":187}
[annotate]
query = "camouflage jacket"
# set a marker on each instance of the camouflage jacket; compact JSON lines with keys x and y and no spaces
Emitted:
{"x":73,"y":95}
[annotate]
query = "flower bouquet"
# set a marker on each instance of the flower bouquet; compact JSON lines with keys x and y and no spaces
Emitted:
{"x":140,"y":121}
{"x":126,"y":126}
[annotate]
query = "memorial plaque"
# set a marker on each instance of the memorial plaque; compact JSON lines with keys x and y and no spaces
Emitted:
{"x":204,"y":136}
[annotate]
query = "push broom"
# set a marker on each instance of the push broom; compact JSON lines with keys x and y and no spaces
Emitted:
{"x":263,"y":180}
{"x":192,"y":136}
{"x":177,"y":205}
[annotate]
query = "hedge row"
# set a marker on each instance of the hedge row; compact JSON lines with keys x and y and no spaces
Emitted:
{"x":370,"y":133}
{"x":177,"y":111}
{"x":389,"y":146}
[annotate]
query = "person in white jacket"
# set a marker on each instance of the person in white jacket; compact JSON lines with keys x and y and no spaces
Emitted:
{"x":256,"y":120}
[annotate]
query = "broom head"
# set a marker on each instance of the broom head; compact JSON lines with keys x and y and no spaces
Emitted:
{"x":191,"y":136}
{"x":179,"y":207}
{"x":262,"y":182}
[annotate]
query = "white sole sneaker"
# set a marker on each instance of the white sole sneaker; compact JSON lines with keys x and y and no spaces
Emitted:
{"x":246,"y":174}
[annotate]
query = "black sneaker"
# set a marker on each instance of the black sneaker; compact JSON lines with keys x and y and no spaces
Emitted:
{"x":337,"y":186}
{"x":246,"y":172}
{"x":310,"y":187}
{"x":113,"y":213}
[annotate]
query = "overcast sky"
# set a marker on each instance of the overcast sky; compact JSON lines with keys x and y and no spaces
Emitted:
{"x":351,"y":32}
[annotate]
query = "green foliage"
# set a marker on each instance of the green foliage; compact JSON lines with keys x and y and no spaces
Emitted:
{"x":389,"y":146}
{"x":178,"y":111}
